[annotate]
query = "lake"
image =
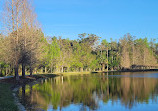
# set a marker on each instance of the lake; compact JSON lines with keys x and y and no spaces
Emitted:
{"x":118,"y":91}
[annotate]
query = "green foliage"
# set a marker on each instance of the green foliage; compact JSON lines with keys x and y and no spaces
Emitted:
{"x":54,"y":52}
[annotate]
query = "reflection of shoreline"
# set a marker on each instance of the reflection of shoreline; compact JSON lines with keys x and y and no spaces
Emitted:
{"x":62,"y":91}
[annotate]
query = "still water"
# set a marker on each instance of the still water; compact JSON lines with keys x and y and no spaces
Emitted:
{"x":136,"y":91}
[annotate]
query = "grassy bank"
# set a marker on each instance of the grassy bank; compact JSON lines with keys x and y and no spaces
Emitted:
{"x":73,"y":73}
{"x":6,"y":98}
{"x":6,"y":95}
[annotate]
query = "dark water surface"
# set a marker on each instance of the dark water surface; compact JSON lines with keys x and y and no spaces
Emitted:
{"x":137,"y":91}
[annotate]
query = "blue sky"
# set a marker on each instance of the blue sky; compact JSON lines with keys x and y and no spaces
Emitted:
{"x":105,"y":18}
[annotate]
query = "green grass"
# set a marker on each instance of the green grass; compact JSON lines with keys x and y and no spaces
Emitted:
{"x":73,"y":73}
{"x":6,"y":98}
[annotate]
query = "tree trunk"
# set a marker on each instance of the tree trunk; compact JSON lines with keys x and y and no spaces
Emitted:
{"x":51,"y":69}
{"x":30,"y":71}
{"x":0,"y":71}
{"x":112,"y":68}
{"x":62,"y":69}
{"x":99,"y":69}
{"x":23,"y":70}
{"x":81,"y":69}
{"x":58,"y":69}
{"x":103,"y":67}
{"x":36,"y":70}
{"x":6,"y":71}
{"x":45,"y":70}
{"x":16,"y":73}
{"x":41,"y":71}
{"x":9,"y":69}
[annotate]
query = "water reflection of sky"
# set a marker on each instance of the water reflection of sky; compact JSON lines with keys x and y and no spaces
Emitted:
{"x":111,"y":106}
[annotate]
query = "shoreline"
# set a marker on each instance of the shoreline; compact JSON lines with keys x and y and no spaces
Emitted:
{"x":36,"y":76}
{"x":9,"y":86}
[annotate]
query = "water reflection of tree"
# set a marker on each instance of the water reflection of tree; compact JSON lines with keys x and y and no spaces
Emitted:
{"x":61,"y":92}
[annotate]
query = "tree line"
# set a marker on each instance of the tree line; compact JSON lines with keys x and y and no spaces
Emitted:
{"x":25,"y":48}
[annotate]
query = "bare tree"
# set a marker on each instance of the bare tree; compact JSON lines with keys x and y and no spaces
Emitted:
{"x":21,"y":24}
{"x":12,"y":21}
